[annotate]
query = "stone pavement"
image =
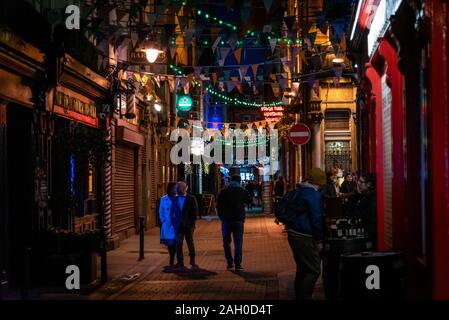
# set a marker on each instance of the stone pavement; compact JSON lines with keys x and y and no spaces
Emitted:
{"x":268,"y":264}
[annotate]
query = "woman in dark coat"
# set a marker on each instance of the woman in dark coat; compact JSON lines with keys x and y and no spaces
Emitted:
{"x":347,"y":192}
{"x":365,"y":205}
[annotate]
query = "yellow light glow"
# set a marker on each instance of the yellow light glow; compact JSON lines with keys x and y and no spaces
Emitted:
{"x":152,"y":54}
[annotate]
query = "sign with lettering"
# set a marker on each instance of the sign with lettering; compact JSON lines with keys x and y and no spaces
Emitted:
{"x":185,"y":103}
{"x":273,"y":113}
{"x":138,"y":56}
{"x":73,"y":104}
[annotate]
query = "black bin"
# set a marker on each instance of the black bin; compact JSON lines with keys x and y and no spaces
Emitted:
{"x":333,"y":249}
{"x":359,"y":281}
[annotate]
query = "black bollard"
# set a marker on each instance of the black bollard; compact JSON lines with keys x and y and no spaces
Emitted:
{"x":103,"y":256}
{"x":27,"y":274}
{"x":142,"y":231}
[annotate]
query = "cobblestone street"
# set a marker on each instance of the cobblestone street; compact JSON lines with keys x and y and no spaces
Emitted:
{"x":267,"y":260}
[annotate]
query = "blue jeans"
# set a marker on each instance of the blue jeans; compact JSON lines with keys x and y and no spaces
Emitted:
{"x":236,"y":229}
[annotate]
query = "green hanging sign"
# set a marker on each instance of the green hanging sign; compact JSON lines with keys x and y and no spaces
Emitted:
{"x":185,"y":103}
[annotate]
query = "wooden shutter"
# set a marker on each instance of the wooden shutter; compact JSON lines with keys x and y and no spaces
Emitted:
{"x":124,"y":189}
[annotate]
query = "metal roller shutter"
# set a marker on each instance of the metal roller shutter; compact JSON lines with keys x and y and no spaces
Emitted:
{"x":124,"y":188}
{"x":388,"y":165}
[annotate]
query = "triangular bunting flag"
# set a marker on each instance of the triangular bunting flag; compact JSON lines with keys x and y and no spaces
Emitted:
{"x":284,"y":60}
{"x":254,"y":67}
{"x":158,"y":81}
{"x":171,"y":83}
{"x":183,"y":21}
{"x":172,"y":51}
{"x":232,"y":40}
{"x":245,"y":11}
{"x":215,"y":44}
{"x":243,"y":70}
{"x":273,"y":77}
{"x":272,"y":44}
{"x":214,"y":77}
{"x":283,"y":83}
{"x":295,"y":88}
{"x":239,"y":87}
{"x":338,"y":71}
{"x":316,"y":87}
{"x":312,"y":37}
{"x":197,"y":71}
{"x":238,"y":55}
{"x":134,"y":38}
{"x":308,"y":43}
{"x":224,"y":52}
{"x":267,"y":4}
{"x":275,"y":88}
{"x":230,"y":85}
{"x":343,"y":43}
{"x":289,"y":22}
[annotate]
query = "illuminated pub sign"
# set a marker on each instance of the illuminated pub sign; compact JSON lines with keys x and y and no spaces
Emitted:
{"x":73,"y":104}
{"x":273,"y":113}
{"x":185,"y":103}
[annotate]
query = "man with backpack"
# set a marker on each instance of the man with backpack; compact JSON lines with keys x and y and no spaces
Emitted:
{"x":301,"y":211}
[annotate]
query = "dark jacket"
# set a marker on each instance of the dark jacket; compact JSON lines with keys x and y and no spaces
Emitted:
{"x":330,"y":191}
{"x":187,"y":217}
{"x":347,"y":187}
{"x":279,"y":189}
{"x":310,"y":218}
{"x":231,"y":203}
{"x":366,"y":209}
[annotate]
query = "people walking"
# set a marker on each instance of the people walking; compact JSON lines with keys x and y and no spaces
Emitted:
{"x":186,"y":208}
{"x":250,"y":187}
{"x":306,"y":233}
{"x":168,"y":221}
{"x":231,"y":211}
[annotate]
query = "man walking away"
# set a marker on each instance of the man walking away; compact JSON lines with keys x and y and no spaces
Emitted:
{"x":187,"y":210}
{"x":305,"y":233}
{"x":231,"y":211}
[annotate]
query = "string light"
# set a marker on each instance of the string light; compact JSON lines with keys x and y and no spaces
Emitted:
{"x":226,"y":98}
{"x":221,"y":22}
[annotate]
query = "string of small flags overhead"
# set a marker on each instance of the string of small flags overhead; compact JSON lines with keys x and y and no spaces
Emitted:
{"x":225,"y":97}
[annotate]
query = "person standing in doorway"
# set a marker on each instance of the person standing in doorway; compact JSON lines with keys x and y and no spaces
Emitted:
{"x":187,"y":210}
{"x":365,"y":207}
{"x":305,"y":233}
{"x":168,"y":221}
{"x":231,"y":211}
{"x":279,"y":191}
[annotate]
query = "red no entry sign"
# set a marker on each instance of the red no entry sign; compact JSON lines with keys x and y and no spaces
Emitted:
{"x":299,"y":134}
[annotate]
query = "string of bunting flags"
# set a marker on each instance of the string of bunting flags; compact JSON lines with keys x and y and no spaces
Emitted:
{"x":225,"y":97}
{"x":249,"y":127}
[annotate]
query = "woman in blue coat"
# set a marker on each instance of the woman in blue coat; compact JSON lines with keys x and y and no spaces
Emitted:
{"x":168,"y":221}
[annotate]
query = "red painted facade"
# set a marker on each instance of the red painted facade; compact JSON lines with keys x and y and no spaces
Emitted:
{"x":413,"y":105}
{"x":437,"y":11}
